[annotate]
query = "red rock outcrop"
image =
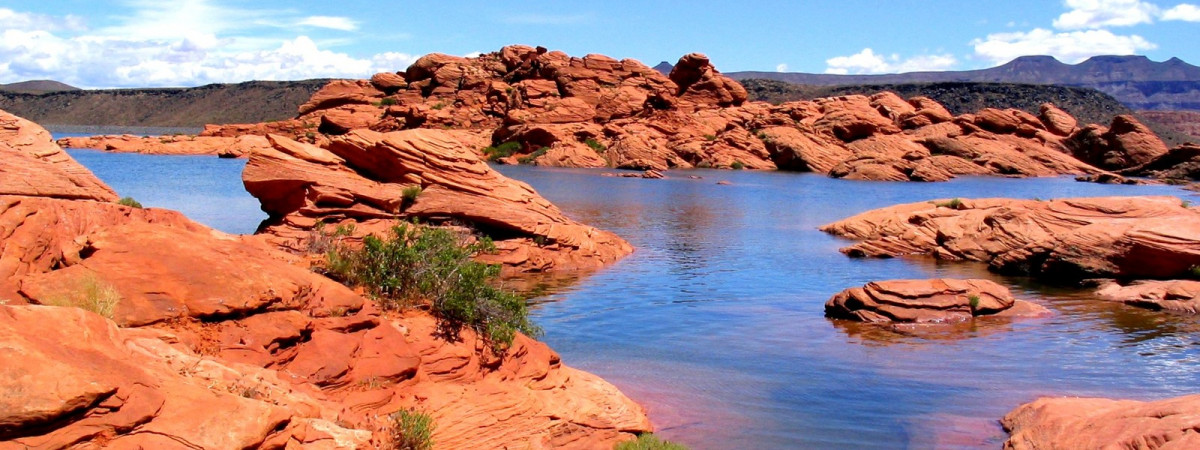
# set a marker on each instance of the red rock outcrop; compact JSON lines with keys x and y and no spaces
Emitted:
{"x":1064,"y":239}
{"x":1179,"y":296}
{"x":596,"y":111}
{"x":1181,"y":163}
{"x":362,"y":177}
{"x":31,"y":164}
{"x":224,"y":343}
{"x":225,"y":147}
{"x":928,"y":301}
{"x":1125,"y":143}
{"x":1104,"y":423}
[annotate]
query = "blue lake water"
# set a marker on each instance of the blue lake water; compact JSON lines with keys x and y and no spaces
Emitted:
{"x":716,"y":323}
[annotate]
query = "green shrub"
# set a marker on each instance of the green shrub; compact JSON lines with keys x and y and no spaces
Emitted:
{"x":501,"y":151}
{"x":596,"y":145}
{"x":388,"y":101}
{"x":410,"y":430}
{"x":1194,"y":272}
{"x":129,"y":201}
{"x":953,"y":203}
{"x":424,"y":263}
{"x":648,"y":441}
{"x":710,"y":138}
{"x":533,"y":156}
{"x":89,"y":293}
{"x":737,"y":165}
{"x":973,"y":300}
{"x":409,"y":194}
{"x":439,"y":105}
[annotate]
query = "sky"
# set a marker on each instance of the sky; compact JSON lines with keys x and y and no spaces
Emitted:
{"x":150,"y":43}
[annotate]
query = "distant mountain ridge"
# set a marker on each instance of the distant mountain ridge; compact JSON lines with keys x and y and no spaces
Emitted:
{"x":1135,"y":81}
{"x":37,"y":87}
{"x":249,"y":102}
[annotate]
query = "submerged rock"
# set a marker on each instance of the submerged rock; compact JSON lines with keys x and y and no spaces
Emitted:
{"x":928,"y":301}
{"x":1180,"y":296}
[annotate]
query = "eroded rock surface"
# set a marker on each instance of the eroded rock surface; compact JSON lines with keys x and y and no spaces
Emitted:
{"x":362,"y":177}
{"x":1179,"y":296}
{"x":1062,"y":239}
{"x":1104,"y":423}
{"x":32,"y":164}
{"x":225,"y":147}
{"x":927,"y":301}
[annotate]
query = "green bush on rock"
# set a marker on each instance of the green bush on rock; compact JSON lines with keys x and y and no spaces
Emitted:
{"x":648,"y":441}
{"x":410,"y":430}
{"x":417,"y":264}
{"x":129,"y":201}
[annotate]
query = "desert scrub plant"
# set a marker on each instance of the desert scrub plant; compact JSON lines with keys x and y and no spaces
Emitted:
{"x":439,"y":105}
{"x":973,"y":302}
{"x":710,"y":137}
{"x":129,"y":201}
{"x":388,"y":101}
{"x":501,"y":151}
{"x":321,"y":240}
{"x":410,"y":194}
{"x":596,"y":146}
{"x":88,"y":293}
{"x":737,"y":165}
{"x":533,"y":156}
{"x":418,"y":263}
{"x":648,"y":441}
{"x":410,"y":430}
{"x":953,"y":203}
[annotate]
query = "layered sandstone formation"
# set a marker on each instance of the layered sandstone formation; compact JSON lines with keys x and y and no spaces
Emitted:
{"x":1061,"y":240}
{"x":1179,"y":296}
{"x":927,"y":301}
{"x":596,"y":111}
{"x":1052,"y":423}
{"x":217,"y":341}
{"x":1181,"y":163}
{"x":31,"y":164}
{"x":225,"y":147}
{"x":362,"y":178}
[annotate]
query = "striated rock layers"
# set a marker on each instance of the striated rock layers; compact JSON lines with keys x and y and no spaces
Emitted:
{"x":372,"y":179}
{"x":1061,"y":240}
{"x":597,"y":111}
{"x":31,"y":164}
{"x":927,"y":301}
{"x":225,"y":147}
{"x":1054,"y":423}
{"x":217,"y":341}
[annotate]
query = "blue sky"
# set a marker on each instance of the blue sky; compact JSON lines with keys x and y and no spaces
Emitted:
{"x":133,"y":43}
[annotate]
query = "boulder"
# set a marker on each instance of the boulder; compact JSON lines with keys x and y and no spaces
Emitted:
{"x":32,"y":164}
{"x":1056,"y":120}
{"x":1062,"y":239}
{"x":1178,"y":296}
{"x":1104,"y":423}
{"x":362,"y":177}
{"x":927,"y":301}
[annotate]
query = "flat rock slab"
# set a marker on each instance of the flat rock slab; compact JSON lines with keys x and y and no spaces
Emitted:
{"x":927,"y":301}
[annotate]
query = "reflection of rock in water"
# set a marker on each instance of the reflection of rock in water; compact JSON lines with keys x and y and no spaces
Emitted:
{"x":911,"y":333}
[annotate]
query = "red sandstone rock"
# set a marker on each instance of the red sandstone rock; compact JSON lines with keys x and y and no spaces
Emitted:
{"x":1056,"y":120}
{"x":1104,"y":423}
{"x":1121,"y":237}
{"x":341,"y":92}
{"x":1126,"y":143}
{"x":1181,"y":296}
{"x":926,"y":301}
{"x":32,"y":164}
{"x":362,"y":175}
{"x":228,"y":147}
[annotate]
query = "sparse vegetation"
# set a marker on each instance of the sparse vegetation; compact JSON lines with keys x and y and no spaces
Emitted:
{"x":501,"y":151}
{"x":648,"y":441}
{"x":418,"y":263}
{"x":533,"y":156}
{"x":596,"y":145}
{"x":953,"y":203}
{"x":89,"y":293}
{"x":410,"y":430}
{"x":1194,"y":272}
{"x":710,"y":138}
{"x":130,"y":202}
{"x":737,"y":165}
{"x":439,"y":105}
{"x":973,"y":301}
{"x":388,"y":101}
{"x":410,"y":194}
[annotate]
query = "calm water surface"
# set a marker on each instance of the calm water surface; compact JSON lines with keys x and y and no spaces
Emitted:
{"x":716,"y":322}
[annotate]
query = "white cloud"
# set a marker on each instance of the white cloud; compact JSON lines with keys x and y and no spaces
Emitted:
{"x":160,"y":46}
{"x":868,"y":62}
{"x":1183,"y":11}
{"x":1091,"y":14}
{"x":1070,"y":47}
{"x":333,"y":23}
{"x":781,"y":68}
